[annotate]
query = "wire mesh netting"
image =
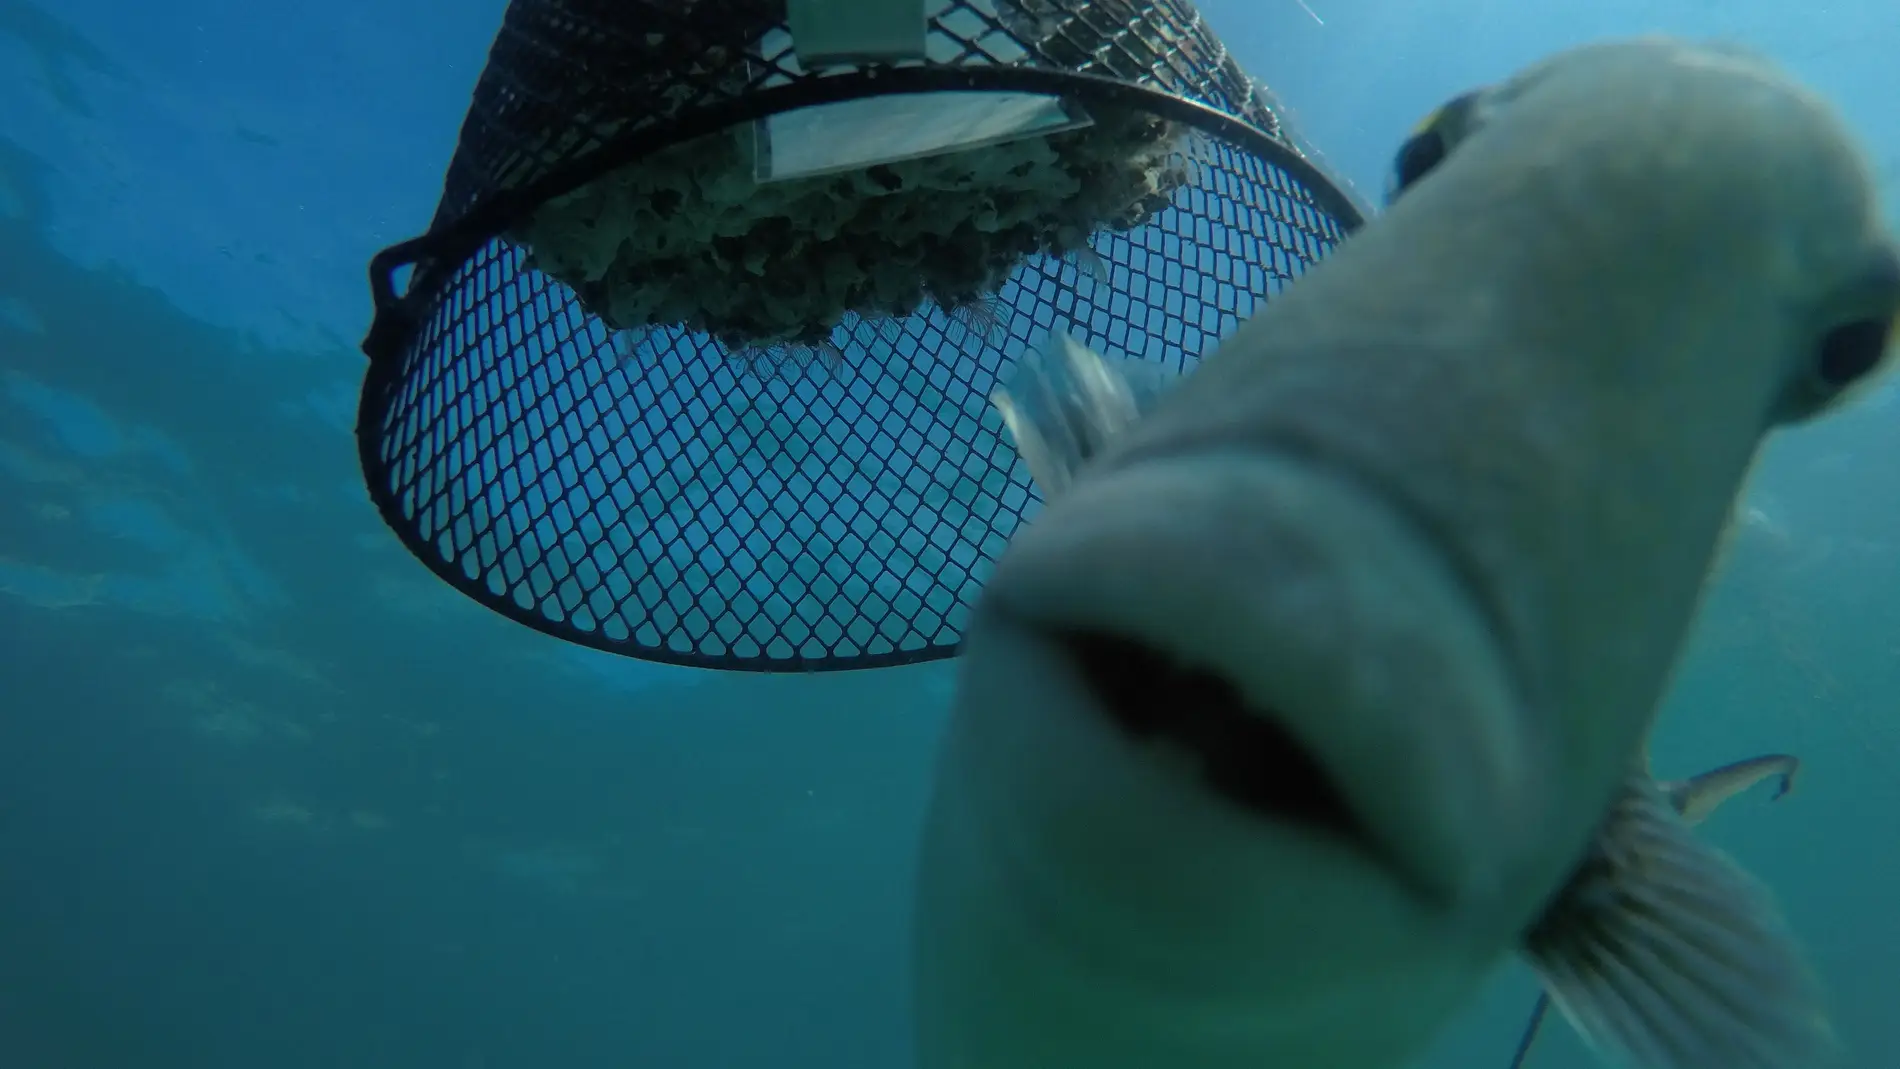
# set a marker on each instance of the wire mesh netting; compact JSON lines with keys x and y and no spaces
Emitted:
{"x":826,"y":501}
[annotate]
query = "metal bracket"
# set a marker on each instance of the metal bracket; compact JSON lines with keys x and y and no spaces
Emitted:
{"x":830,"y":32}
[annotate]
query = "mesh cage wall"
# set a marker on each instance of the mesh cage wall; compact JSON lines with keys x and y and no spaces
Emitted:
{"x":657,"y":493}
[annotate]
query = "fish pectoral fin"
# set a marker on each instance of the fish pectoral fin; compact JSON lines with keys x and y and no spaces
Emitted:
{"x":1068,"y":402}
{"x":1665,"y":952}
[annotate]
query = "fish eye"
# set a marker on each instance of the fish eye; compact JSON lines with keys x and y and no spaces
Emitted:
{"x":1848,"y":352}
{"x":1855,"y":343}
{"x":1431,"y":141}
{"x":1420,"y":153}
{"x":1844,"y":356}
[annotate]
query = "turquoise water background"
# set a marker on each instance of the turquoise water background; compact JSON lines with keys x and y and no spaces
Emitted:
{"x":273,"y":797}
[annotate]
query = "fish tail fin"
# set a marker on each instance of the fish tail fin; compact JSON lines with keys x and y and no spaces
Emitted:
{"x":1665,"y":952}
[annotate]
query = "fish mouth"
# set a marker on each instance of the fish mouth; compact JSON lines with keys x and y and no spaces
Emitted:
{"x":1245,"y":755}
{"x":1320,"y":659}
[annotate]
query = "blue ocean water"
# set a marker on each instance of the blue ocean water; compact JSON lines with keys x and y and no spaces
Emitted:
{"x":273,"y":796}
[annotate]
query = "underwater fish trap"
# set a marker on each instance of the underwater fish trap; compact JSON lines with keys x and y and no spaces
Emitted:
{"x":693,"y":362}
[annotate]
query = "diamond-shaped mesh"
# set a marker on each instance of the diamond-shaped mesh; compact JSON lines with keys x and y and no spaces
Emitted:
{"x":655,"y":493}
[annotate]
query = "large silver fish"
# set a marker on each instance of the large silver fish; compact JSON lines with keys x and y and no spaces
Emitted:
{"x":1068,"y":404}
{"x":1325,"y":684}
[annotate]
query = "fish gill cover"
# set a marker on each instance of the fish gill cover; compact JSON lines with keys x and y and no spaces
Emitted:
{"x":693,"y":363}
